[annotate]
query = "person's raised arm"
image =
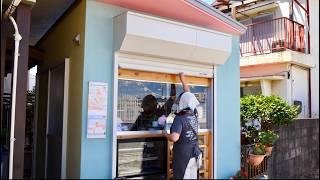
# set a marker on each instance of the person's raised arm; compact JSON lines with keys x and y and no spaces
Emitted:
{"x":184,"y":84}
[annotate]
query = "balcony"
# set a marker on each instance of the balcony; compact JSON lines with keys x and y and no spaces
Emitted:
{"x":273,"y":36}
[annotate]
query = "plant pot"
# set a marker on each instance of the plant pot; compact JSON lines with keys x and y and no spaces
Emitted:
{"x":268,"y":150}
{"x":255,"y":160}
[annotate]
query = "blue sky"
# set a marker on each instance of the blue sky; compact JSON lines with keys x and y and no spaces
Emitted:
{"x":208,"y":1}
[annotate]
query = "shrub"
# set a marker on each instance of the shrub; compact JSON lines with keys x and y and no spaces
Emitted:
{"x":269,"y":110}
{"x":278,"y":111}
{"x":267,"y":138}
{"x":251,"y":108}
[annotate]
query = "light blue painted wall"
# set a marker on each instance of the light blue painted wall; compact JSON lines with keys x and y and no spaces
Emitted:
{"x":96,"y":154}
{"x":228,"y":114}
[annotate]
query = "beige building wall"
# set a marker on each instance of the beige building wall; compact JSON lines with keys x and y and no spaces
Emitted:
{"x":58,"y":44}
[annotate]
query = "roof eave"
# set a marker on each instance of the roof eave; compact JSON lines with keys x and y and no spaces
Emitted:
{"x":238,"y":27}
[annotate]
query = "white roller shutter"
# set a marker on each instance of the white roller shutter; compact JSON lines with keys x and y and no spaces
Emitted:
{"x":170,"y":66}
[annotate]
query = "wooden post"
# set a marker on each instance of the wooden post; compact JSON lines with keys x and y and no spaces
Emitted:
{"x":23,"y":20}
{"x":233,"y":12}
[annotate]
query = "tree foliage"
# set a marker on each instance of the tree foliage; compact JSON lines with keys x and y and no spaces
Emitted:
{"x":268,"y":109}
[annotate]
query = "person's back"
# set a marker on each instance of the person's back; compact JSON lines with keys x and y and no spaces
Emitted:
{"x":186,"y":125}
{"x":189,"y":126}
{"x":184,"y":134}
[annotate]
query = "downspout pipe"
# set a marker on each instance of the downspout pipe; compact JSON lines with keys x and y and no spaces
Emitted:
{"x":17,"y":38}
{"x":1,"y":8}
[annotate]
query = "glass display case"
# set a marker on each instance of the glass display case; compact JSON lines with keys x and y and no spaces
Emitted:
{"x":142,"y":158}
{"x":137,"y":98}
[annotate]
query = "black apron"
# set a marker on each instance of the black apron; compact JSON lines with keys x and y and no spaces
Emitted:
{"x":182,"y":153}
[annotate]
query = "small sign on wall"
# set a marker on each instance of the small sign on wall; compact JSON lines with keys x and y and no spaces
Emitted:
{"x":97,"y":110}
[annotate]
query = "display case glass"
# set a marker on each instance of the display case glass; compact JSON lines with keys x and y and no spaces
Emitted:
{"x":141,"y":157}
{"x":144,"y":101}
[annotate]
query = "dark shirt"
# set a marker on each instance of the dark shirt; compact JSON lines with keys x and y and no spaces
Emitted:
{"x":143,"y":122}
{"x":183,"y":148}
{"x":181,"y":127}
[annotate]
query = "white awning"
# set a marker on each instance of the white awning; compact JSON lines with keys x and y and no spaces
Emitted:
{"x":152,"y":36}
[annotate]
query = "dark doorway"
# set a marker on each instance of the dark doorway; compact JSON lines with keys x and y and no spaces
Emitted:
{"x":55,"y":122}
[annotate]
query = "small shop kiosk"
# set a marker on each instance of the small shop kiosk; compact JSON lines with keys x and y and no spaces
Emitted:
{"x":134,"y":50}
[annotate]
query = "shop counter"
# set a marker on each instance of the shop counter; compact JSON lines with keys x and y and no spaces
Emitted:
{"x":137,"y":150}
{"x":139,"y":134}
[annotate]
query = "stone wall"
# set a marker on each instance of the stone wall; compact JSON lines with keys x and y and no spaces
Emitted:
{"x":297,"y":150}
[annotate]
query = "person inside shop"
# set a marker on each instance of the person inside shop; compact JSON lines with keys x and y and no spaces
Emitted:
{"x":184,"y":133}
{"x":153,"y":117}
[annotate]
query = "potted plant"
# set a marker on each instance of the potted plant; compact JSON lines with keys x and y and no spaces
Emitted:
{"x":268,"y":138}
{"x":257,"y":154}
{"x":242,"y":174}
{"x":263,"y":115}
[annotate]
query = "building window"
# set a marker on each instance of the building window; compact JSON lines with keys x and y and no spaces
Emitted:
{"x":142,"y":102}
{"x":250,"y":90}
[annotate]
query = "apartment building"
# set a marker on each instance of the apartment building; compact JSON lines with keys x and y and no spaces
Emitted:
{"x":279,"y":52}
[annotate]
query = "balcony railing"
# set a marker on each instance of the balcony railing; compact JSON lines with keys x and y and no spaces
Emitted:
{"x":272,"y":36}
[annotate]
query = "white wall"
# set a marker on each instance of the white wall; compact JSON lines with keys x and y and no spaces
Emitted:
{"x":300,"y":88}
{"x":279,"y":88}
{"x":314,"y":56}
{"x":266,"y":87}
{"x":299,"y":14}
{"x":284,"y":9}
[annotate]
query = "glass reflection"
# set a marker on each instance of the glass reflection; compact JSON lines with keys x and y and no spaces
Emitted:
{"x":139,"y":157}
{"x":142,"y":105}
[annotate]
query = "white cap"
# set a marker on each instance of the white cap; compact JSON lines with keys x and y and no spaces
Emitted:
{"x":188,"y":100}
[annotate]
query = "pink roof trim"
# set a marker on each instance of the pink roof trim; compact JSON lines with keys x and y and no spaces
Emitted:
{"x":226,"y":24}
{"x":178,"y":10}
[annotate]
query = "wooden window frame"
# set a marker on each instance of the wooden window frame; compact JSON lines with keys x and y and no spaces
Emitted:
{"x":161,"y":77}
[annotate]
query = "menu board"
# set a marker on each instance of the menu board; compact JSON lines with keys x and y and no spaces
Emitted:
{"x":97,"y":110}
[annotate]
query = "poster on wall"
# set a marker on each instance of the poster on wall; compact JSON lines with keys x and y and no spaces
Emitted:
{"x":97,"y":110}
